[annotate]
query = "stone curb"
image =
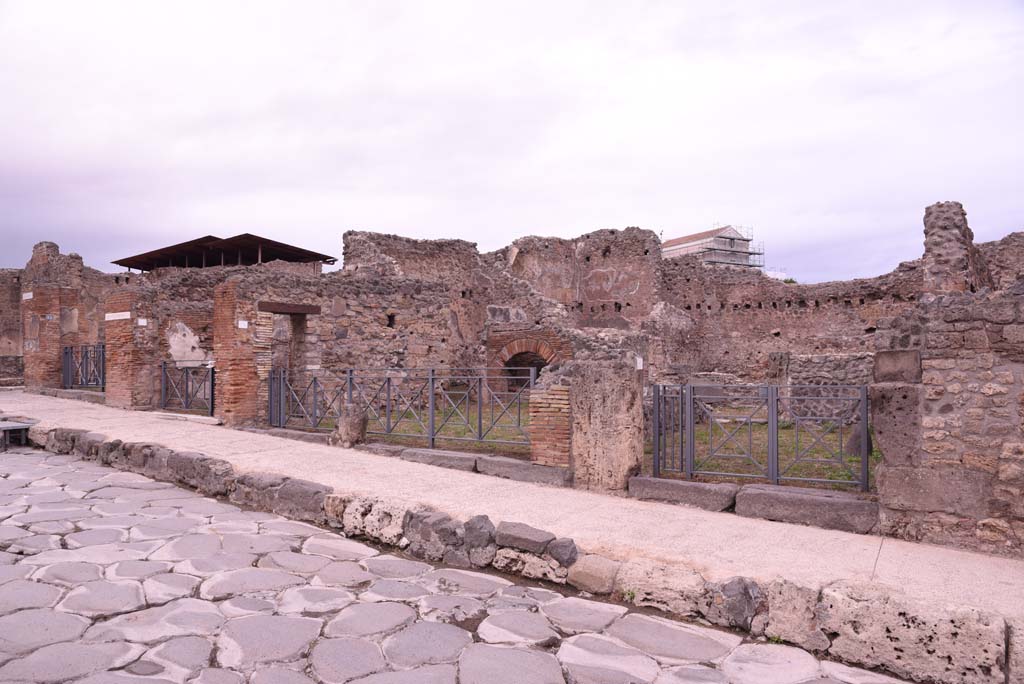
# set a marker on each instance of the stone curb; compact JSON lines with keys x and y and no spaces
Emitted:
{"x":858,"y":623}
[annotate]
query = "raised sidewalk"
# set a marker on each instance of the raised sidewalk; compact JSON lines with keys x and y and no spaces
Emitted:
{"x":718,"y":546}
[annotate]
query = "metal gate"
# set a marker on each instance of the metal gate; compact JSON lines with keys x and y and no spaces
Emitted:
{"x":84,"y":367}
{"x":468,"y":405}
{"x":795,"y":433}
{"x":187,"y":389}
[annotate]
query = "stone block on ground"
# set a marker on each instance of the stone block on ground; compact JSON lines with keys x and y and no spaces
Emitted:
{"x":593,"y":573}
{"x":820,"y":508}
{"x":351,"y":426}
{"x":672,"y":589}
{"x":523,"y":537}
{"x":439,"y":457}
{"x":706,"y":495}
{"x":523,"y":471}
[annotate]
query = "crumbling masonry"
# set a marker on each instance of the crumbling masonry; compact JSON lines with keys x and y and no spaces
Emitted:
{"x":940,"y":339}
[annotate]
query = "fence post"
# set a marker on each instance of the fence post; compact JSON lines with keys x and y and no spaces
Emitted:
{"x":430,"y":407}
{"x":480,"y":407}
{"x":103,"y":367}
{"x":656,"y":432}
{"x":865,"y":483}
{"x":387,"y":405}
{"x":163,"y":384}
{"x":212,"y":374}
{"x":689,"y":431}
{"x":348,"y":384}
{"x":533,"y":376}
{"x":271,"y":418}
{"x":283,"y":395}
{"x":316,"y":403}
{"x":64,"y":368}
{"x":773,"y":434}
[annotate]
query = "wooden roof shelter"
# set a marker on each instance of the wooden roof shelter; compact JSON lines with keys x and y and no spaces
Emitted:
{"x":241,"y":250}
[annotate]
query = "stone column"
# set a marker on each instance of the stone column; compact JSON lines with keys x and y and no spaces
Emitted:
{"x":40,"y":311}
{"x":606,"y":401}
{"x":236,"y":331}
{"x":132,"y":361}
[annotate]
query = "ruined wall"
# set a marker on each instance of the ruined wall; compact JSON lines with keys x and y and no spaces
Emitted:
{"x":1005,"y":259}
{"x":952,"y":263}
{"x":11,"y":365}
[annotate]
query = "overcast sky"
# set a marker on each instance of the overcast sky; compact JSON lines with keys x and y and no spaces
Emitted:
{"x":825,"y":126}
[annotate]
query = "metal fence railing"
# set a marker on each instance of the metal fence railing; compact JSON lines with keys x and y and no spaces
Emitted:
{"x":84,"y":367}
{"x":464,"y":405}
{"x":187,"y":389}
{"x":815,"y":434}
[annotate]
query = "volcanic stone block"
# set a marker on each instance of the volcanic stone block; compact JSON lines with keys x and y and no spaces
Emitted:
{"x":706,"y":495}
{"x":564,"y":551}
{"x":594,"y":573}
{"x":819,"y":508}
{"x":943,"y":489}
{"x":302,"y":499}
{"x":903,"y":366}
{"x":439,"y":457}
{"x":523,"y":471}
{"x":523,"y":537}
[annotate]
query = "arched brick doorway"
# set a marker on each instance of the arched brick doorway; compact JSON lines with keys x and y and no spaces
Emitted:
{"x":519,"y":356}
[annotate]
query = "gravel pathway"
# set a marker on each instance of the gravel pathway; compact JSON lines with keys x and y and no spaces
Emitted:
{"x":109,"y":577}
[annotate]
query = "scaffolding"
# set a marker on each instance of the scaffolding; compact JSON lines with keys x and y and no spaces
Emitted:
{"x":726,"y":245}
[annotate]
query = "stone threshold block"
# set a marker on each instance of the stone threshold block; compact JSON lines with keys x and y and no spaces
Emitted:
{"x":523,"y":471}
{"x":77,"y":395}
{"x":456,"y":460}
{"x":829,"y":509}
{"x":706,"y":495}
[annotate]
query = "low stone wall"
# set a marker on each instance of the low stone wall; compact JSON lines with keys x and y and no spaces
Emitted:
{"x":857,"y":623}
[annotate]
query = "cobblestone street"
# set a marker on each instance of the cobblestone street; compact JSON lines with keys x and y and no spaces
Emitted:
{"x":107,"y":576}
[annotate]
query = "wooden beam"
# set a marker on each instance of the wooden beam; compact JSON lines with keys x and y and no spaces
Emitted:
{"x":287,"y":308}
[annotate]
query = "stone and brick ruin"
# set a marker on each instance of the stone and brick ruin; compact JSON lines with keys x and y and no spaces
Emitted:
{"x":940,"y":340}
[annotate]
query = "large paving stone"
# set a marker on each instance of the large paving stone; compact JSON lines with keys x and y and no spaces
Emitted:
{"x":215,"y":564}
{"x":337,"y":548}
{"x":464,"y":582}
{"x":487,"y":664}
{"x":102,"y":598}
{"x":168,"y":587}
{"x":674,"y":642}
{"x":673,"y":589}
{"x":517,"y":627}
{"x":596,"y":659}
{"x":446,"y":608}
{"x":818,"y":507}
{"x":184,"y":617}
{"x":426,"y":643}
{"x":20,"y":593}
{"x":301,"y":563}
{"x":770,"y":664}
{"x":279,"y":675}
{"x":256,"y":543}
{"x":245,"y":642}
{"x":177,"y":659}
{"x":189,"y":547}
{"x":246,"y":581}
{"x":594,"y":574}
{"x":707,"y":495}
{"x":365,"y":619}
{"x":138,"y":569}
{"x":428,"y":674}
{"x":108,"y":535}
{"x":313,"y":600}
{"x":694,"y":674}
{"x":101,"y":554}
{"x":28,"y":630}
{"x":340,"y":660}
{"x":60,"y":662}
{"x":392,"y":590}
{"x":396,"y":568}
{"x":343,"y":573}
{"x":9,"y":573}
{"x":575,"y":615}
{"x":523,"y":537}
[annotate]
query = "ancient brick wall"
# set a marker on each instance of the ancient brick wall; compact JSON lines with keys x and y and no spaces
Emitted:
{"x":550,"y":426}
{"x":133,"y":376}
{"x":12,"y":370}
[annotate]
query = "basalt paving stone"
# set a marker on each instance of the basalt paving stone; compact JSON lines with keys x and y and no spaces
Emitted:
{"x":517,"y":627}
{"x":34,"y":544}
{"x":426,"y":643}
{"x":240,"y":606}
{"x":392,"y":567}
{"x":9,"y":533}
{"x":486,"y":664}
{"x":20,"y":594}
{"x":70,"y":573}
{"x":365,"y":619}
{"x":179,"y":658}
{"x":55,"y":527}
{"x":464,"y":582}
{"x":102,"y":598}
{"x":344,"y":573}
{"x":575,"y":615}
{"x":428,"y":674}
{"x":216,"y":675}
{"x":247,"y":641}
{"x":184,"y":617}
{"x":189,"y":547}
{"x":92,"y":537}
{"x":448,"y":608}
{"x":247,"y":527}
{"x":102,"y":554}
{"x":671,"y":642}
{"x":258,"y":543}
{"x":340,"y":660}
{"x":313,"y":600}
{"x":290,"y":528}
{"x":337,"y":548}
{"x":59,"y":662}
{"x":691,"y":674}
{"x":279,"y":675}
{"x":770,"y":664}
{"x":217,"y":563}
{"x":168,"y":587}
{"x":246,"y":581}
{"x":302,"y":563}
{"x":392,"y":590}
{"x":596,"y":659}
{"x":137,"y":569}
{"x":9,"y":573}
{"x":535,"y":594}
{"x":36,"y":516}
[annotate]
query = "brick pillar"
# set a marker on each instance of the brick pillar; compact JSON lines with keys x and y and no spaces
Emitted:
{"x":550,"y":426}
{"x":40,"y":316}
{"x":236,"y":330}
{"x":133,"y":363}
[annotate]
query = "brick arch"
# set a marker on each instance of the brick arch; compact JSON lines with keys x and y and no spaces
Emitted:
{"x":538,"y":347}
